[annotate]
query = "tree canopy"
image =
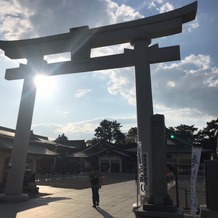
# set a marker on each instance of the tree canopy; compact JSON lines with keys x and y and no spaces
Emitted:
{"x":184,"y":129}
{"x":132,"y":136}
{"x":207,"y":136}
{"x":110,"y":131}
{"x":62,"y":139}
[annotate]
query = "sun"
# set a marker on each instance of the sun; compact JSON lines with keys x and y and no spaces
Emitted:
{"x":45,"y":85}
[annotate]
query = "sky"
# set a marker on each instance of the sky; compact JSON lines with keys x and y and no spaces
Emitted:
{"x":184,"y":91}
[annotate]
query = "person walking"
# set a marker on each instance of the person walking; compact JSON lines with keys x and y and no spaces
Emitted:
{"x":95,"y":179}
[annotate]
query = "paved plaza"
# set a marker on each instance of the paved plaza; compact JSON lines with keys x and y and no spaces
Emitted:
{"x":116,"y":200}
{"x":73,"y":199}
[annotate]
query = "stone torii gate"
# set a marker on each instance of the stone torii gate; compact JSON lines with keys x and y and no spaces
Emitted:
{"x":79,"y":41}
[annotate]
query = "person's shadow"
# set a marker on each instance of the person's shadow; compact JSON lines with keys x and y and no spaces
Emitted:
{"x":104,"y":213}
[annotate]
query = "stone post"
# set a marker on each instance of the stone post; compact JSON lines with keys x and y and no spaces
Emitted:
{"x":16,"y":173}
{"x":143,"y":96}
{"x":159,"y":204}
{"x":159,"y":167}
{"x":210,"y":210}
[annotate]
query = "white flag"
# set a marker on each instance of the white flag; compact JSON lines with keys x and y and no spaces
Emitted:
{"x":195,"y":162}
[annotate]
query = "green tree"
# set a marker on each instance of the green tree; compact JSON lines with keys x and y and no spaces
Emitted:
{"x":183,"y":133}
{"x":62,"y":139}
{"x":132,"y":136}
{"x":185,"y":129}
{"x":210,"y":129}
{"x":206,"y":137}
{"x":110,"y":131}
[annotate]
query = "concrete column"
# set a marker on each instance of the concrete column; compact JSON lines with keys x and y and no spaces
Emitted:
{"x":159,"y":204}
{"x":19,"y":152}
{"x":143,"y":97}
{"x":159,"y":167}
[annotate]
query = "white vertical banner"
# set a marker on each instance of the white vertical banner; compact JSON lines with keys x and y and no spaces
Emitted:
{"x":140,"y":166}
{"x":195,"y":162}
{"x":146,"y":173}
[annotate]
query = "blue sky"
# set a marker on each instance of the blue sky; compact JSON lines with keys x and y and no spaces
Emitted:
{"x":185,"y":91}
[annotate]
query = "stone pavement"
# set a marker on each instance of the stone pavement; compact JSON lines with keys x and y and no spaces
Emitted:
{"x":74,"y":201}
{"x":116,"y":200}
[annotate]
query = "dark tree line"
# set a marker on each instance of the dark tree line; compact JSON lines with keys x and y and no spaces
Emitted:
{"x":110,"y":131}
{"x":205,"y":137}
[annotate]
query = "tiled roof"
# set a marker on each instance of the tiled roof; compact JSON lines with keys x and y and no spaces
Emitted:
{"x":38,"y":145}
{"x":102,"y":147}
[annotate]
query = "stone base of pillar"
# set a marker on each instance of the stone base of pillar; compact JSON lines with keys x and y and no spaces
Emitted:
{"x":207,"y":213}
{"x":13,"y":198}
{"x":178,"y":213}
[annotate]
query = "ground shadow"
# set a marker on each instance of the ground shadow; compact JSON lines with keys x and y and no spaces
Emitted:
{"x":10,"y":210}
{"x":104,"y":213}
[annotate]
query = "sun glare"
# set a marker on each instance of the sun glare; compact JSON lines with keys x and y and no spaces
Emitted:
{"x":45,"y":85}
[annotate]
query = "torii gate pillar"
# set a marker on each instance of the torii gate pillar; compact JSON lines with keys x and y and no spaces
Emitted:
{"x":18,"y":157}
{"x":144,"y":103}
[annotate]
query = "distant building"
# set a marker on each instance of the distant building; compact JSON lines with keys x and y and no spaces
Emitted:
{"x":113,"y":158}
{"x":44,"y":156}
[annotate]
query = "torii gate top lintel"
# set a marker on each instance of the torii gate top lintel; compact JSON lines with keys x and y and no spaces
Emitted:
{"x":80,"y":40}
{"x":104,"y":36}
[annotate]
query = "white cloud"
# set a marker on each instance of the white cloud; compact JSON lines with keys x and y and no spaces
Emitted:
{"x":192,"y":25}
{"x":190,"y":64}
{"x":81,"y":93}
{"x":14,"y":27}
{"x":171,"y":84}
{"x":189,"y":116}
{"x":160,"y":6}
{"x":154,"y":3}
{"x":121,"y":13}
{"x":195,"y":82}
{"x":14,"y":20}
{"x":201,"y":61}
{"x":122,"y":83}
{"x":166,"y":7}
{"x":50,"y":129}
{"x":212,"y":81}
{"x":78,"y":128}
